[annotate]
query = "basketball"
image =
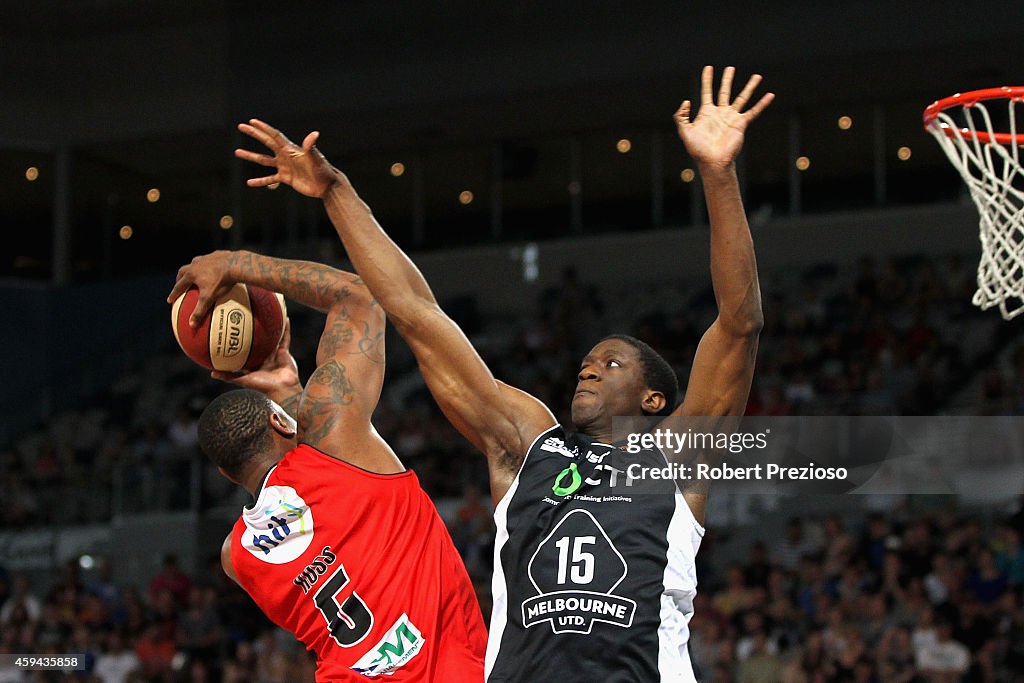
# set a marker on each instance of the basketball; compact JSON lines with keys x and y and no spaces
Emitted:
{"x":241,"y":330}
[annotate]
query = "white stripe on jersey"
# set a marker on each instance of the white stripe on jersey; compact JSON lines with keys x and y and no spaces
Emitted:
{"x":499,"y":587}
{"x":680,"y":588}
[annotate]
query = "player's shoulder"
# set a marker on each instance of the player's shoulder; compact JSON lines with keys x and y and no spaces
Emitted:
{"x":294,"y":464}
{"x":554,"y":438}
{"x":565,"y":442}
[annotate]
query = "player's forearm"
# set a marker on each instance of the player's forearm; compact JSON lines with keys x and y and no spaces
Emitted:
{"x":393,"y":279}
{"x":733,"y":264}
{"x":311,"y":284}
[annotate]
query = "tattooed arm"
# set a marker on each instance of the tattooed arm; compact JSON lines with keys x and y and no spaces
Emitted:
{"x":311,"y":284}
{"x":340,"y":396}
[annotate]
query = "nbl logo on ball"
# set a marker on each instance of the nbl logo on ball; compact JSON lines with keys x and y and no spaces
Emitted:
{"x":234,"y":332}
{"x":230,"y":331}
{"x":238,"y":333}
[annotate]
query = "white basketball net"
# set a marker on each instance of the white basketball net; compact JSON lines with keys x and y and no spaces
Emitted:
{"x":994,"y":176}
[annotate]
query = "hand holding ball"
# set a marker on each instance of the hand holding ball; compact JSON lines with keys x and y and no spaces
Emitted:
{"x":241,"y":330}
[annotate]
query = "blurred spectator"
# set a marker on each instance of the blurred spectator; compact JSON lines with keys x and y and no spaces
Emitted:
{"x":763,"y":664}
{"x":1010,"y":556}
{"x":811,"y":659}
{"x":987,"y":583}
{"x":155,"y":651}
{"x":273,"y":665}
{"x":794,"y":546}
{"x":117,"y":661}
{"x":758,"y":568}
{"x":5,"y":585}
{"x":22,"y":503}
{"x":171,"y":579}
{"x":876,"y":540}
{"x":473,"y":532}
{"x":21,"y":597}
{"x":182,"y":432}
{"x":242,"y":668}
{"x":199,"y":629}
{"x":839,"y":545}
{"x":9,"y":672}
{"x":104,"y":587}
{"x":943,"y":659}
{"x":735,"y":597}
{"x":894,"y":659}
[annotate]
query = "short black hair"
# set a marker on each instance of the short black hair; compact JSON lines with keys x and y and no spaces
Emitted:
{"x":234,"y":428}
{"x":658,"y":374}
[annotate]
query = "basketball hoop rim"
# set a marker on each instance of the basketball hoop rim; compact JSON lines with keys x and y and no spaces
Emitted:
{"x":969,"y":99}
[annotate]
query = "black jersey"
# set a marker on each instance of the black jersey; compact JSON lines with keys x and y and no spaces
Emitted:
{"x":594,"y":574}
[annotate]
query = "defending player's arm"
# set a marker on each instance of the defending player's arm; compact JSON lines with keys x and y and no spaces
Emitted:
{"x":723,"y":366}
{"x":498,"y":419}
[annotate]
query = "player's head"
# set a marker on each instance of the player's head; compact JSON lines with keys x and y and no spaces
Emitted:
{"x":243,"y":428}
{"x":622,"y":376}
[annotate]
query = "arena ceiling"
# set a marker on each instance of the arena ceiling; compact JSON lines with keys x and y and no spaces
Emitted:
{"x":145,"y":94}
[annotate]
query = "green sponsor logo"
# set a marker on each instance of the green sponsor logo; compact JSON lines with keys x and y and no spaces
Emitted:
{"x":401,"y":643}
{"x":563,"y":488}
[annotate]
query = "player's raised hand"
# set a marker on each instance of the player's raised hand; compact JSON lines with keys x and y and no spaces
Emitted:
{"x":715,"y":136}
{"x":278,"y":376}
{"x":211,"y":276}
{"x":303,"y":168}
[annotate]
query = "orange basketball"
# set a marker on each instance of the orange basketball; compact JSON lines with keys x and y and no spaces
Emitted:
{"x":241,"y":330}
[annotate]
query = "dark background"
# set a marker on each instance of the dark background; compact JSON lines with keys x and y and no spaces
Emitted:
{"x":146,"y":94}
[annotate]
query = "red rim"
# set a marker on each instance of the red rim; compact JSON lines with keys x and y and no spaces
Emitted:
{"x":969,"y":99}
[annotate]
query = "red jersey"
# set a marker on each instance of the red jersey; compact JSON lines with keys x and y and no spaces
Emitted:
{"x":360,"y":567}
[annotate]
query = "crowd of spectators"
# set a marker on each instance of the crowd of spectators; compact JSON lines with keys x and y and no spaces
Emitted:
{"x":896,"y":595}
{"x":895,"y":338}
{"x":199,"y":628}
{"x":907,"y":596}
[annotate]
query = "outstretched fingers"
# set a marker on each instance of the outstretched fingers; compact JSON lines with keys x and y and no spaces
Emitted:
{"x":273,"y":134}
{"x":706,"y":78}
{"x":258,"y":135}
{"x":682,"y":114}
{"x":725,"y":88}
{"x":310,"y":142}
{"x":747,"y":92}
{"x":761,"y":105}
{"x":264,"y":181}
{"x":255,"y":157}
